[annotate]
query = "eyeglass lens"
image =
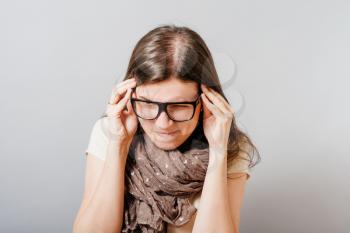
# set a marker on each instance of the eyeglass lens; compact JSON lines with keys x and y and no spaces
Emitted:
{"x":177,"y":112}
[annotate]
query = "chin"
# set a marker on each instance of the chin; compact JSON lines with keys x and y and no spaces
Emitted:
{"x":166,"y":146}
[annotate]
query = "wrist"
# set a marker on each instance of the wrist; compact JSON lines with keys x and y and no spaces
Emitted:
{"x":218,"y":149}
{"x":119,"y":148}
{"x":219,"y":152}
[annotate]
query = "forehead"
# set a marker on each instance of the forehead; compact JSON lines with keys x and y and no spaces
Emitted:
{"x":168,"y":90}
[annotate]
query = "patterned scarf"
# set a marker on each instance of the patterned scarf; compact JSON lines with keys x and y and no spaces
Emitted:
{"x":159,"y":183}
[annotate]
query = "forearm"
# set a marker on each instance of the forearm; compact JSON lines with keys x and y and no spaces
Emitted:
{"x":214,"y":214}
{"x":104,"y":213}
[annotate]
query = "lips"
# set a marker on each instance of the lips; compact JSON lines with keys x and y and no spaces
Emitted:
{"x":167,"y":132}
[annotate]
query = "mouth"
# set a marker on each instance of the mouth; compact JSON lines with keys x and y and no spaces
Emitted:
{"x":166,"y":136}
{"x":167,"y":133}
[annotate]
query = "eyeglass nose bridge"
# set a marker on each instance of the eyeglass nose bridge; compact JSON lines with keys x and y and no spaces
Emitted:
{"x":162,"y":108}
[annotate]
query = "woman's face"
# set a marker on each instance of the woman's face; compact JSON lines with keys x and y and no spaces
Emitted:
{"x":170,"y":90}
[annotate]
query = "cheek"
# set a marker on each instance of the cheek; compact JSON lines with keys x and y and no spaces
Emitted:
{"x":188,"y":128}
{"x":145,"y":124}
{"x":196,"y":115}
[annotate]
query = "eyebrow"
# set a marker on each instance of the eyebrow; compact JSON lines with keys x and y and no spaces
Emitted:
{"x":180,"y":100}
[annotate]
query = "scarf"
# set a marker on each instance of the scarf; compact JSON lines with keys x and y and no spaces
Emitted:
{"x":159,"y":183}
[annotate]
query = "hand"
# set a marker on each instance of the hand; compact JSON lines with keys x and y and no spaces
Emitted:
{"x":217,"y":118}
{"x":122,"y":122}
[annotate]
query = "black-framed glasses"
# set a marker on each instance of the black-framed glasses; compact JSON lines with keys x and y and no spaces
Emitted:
{"x":176,"y":111}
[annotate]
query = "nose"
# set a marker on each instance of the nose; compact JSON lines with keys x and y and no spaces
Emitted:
{"x":163,"y":121}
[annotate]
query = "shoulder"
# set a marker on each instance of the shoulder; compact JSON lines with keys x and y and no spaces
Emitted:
{"x":98,"y":140}
{"x":100,"y":129}
{"x":240,"y":164}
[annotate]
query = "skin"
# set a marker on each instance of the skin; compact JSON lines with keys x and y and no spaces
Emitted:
{"x":219,"y":193}
{"x":166,"y":91}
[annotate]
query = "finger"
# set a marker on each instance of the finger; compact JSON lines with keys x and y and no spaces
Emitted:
{"x":129,"y":106}
{"x":215,"y":100}
{"x":228,"y":107}
{"x":118,"y":92}
{"x":133,"y":94}
{"x":212,"y":108}
{"x":130,"y":109}
{"x":226,"y":103}
{"x":125,"y":82}
{"x":116,"y":109}
{"x":122,"y":103}
{"x":206,"y":111}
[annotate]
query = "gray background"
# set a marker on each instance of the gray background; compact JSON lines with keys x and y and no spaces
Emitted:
{"x":60,"y":59}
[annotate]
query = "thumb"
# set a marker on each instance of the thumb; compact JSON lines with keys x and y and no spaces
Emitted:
{"x":206,"y":111}
{"x":130,"y":109}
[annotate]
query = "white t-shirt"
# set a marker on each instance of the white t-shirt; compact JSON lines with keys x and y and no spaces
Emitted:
{"x":98,"y":147}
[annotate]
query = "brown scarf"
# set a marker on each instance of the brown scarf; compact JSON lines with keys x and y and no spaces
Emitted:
{"x":159,"y":183}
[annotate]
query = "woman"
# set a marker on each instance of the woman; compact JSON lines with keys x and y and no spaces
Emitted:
{"x":167,"y":155}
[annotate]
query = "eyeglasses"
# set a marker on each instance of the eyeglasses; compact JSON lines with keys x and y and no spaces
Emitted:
{"x":176,"y":111}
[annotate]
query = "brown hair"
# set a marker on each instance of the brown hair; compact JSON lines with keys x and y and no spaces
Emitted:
{"x":172,"y":51}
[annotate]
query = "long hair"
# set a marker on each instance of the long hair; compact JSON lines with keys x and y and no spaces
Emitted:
{"x":173,"y":51}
